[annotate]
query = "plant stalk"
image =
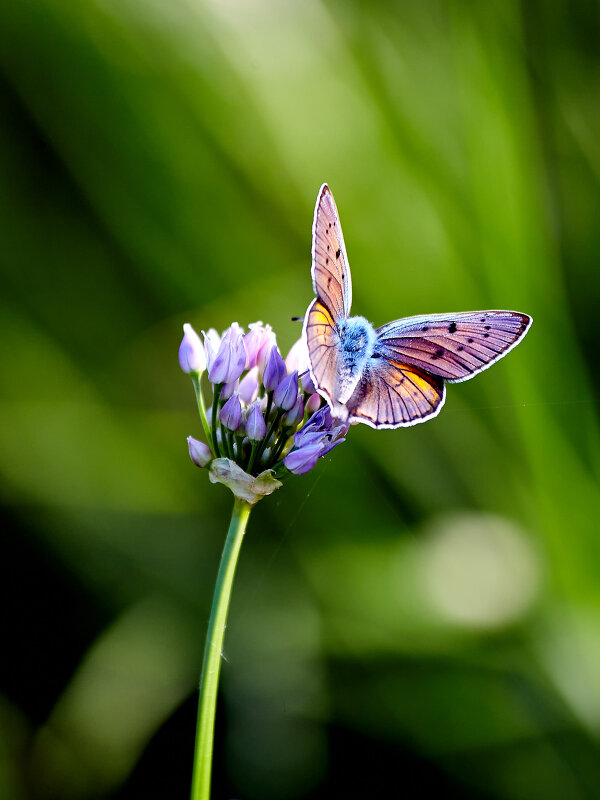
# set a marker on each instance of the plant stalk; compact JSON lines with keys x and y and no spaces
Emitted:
{"x":211,"y":665}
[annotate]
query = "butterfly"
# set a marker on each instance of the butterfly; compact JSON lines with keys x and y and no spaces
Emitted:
{"x":395,"y":375}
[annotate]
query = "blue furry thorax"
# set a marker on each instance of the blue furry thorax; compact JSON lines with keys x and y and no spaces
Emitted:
{"x":357,"y":338}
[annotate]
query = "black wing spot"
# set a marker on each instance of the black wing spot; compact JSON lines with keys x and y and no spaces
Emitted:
{"x":376,"y":355}
{"x":487,"y":327}
{"x":328,"y":247}
{"x":425,"y":328}
{"x":438,"y":354}
{"x":486,"y":335}
{"x":483,"y":319}
{"x":337,"y":253}
{"x":470,"y":341}
{"x":327,"y":261}
{"x":452,"y":327}
{"x":460,"y":348}
{"x":329,"y":281}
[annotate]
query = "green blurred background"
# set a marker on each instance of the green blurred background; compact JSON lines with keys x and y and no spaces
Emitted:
{"x":422,"y":611}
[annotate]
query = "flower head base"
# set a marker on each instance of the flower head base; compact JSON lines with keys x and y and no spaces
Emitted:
{"x":255,"y":424}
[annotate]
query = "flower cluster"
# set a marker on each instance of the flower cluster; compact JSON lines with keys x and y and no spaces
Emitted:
{"x":265,"y":418}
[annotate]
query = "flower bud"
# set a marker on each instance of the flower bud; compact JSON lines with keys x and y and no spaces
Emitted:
{"x":200,"y":453}
{"x":307,"y":383}
{"x":249,"y":386}
{"x":230,"y":360}
{"x":302,"y":460}
{"x":256,"y":430}
{"x":295,"y":415}
{"x":297,"y":358}
{"x":313,"y":403}
{"x":228,"y":389}
{"x":287,"y":392}
{"x":258,"y":341}
{"x":212,"y":342}
{"x":192,"y":357}
{"x":231,"y":413}
{"x":275,"y":370}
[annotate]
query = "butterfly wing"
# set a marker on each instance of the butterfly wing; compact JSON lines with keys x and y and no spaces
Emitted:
{"x":323,"y":342}
{"x":330,"y":271}
{"x":391,"y":394}
{"x":454,"y":347}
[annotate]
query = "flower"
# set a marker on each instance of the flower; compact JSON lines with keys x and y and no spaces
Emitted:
{"x":255,"y":398}
{"x":192,"y":357}
{"x":256,"y":429}
{"x":315,"y":439}
{"x":212,"y":342}
{"x":249,"y":386}
{"x":297,"y":358}
{"x":295,"y":415}
{"x":307,"y":382}
{"x":303,"y":460}
{"x":286,"y":393}
{"x":228,"y":389}
{"x":275,"y":370}
{"x":230,"y":360}
{"x":313,"y":403}
{"x":200,"y":453}
{"x":231,"y":413}
{"x":258,"y":343}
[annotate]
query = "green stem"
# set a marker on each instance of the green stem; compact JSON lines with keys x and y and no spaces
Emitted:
{"x":213,"y":649}
{"x":202,"y":410}
{"x":215,"y":413}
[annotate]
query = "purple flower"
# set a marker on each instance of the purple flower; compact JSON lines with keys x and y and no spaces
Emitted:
{"x":249,"y":386}
{"x":286,"y":392}
{"x":295,"y":415}
{"x":199,"y":452}
{"x":313,"y":403}
{"x":212,"y":342}
{"x":228,"y":389}
{"x":303,"y":460}
{"x":258,"y":343}
{"x":317,"y":438}
{"x":231,"y":413}
{"x":256,"y":430}
{"x":308,"y":385}
{"x":275,"y":370}
{"x":230,"y":360}
{"x":192,"y":357}
{"x":297,"y":358}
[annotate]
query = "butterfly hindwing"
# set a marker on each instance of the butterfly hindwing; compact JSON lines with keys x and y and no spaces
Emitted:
{"x":453,"y":346}
{"x":391,"y":394}
{"x":330,"y":272}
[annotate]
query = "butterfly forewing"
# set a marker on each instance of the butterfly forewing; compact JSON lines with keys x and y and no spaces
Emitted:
{"x":323,"y":347}
{"x":391,"y":394}
{"x":453,"y":346}
{"x":330,"y":273}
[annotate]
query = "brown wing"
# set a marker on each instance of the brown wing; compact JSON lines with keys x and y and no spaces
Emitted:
{"x":330,"y":272}
{"x":454,"y":346}
{"x":393,"y":395}
{"x":323,"y":344}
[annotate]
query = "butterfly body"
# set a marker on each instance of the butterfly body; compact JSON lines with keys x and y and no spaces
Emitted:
{"x":394,"y":375}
